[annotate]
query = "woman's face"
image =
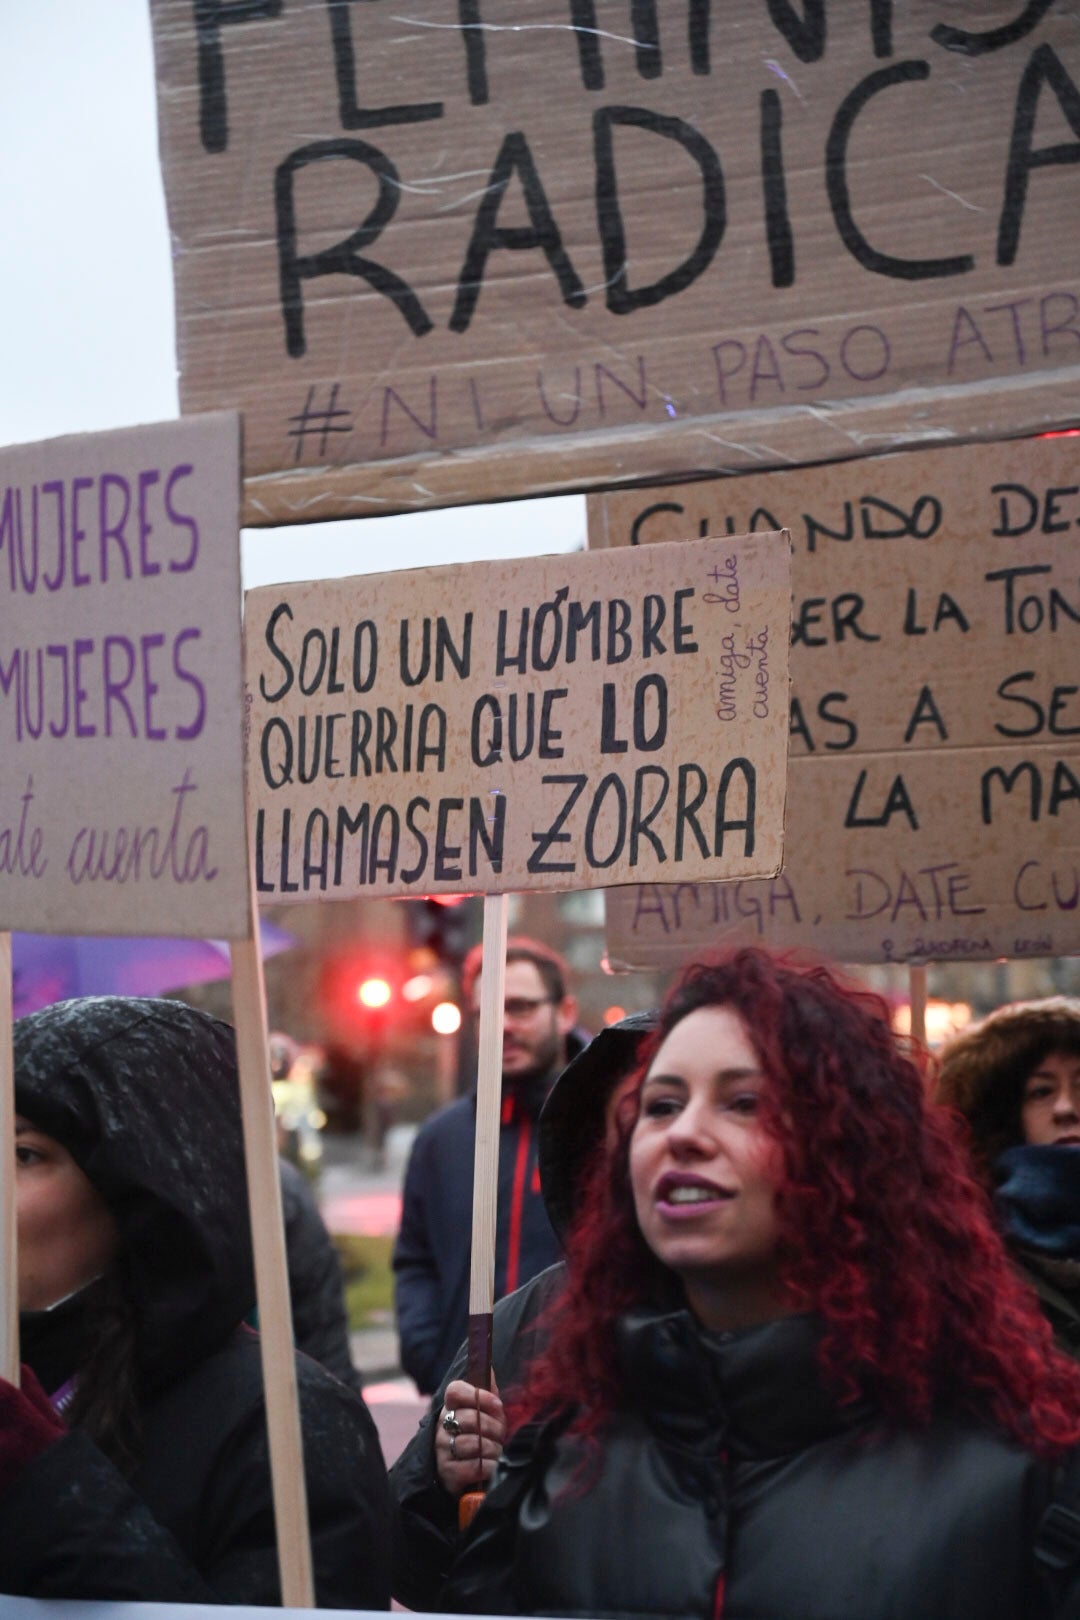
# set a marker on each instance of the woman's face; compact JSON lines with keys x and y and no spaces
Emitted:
{"x":703,"y":1169}
{"x":67,"y":1236}
{"x":1050,"y":1106}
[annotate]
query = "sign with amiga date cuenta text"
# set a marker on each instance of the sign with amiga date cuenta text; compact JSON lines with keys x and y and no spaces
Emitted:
{"x":559,"y":723}
{"x":121,"y":685}
{"x":934,"y":786}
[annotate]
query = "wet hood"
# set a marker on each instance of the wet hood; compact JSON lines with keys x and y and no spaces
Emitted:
{"x":573,"y":1119}
{"x":144,"y":1094}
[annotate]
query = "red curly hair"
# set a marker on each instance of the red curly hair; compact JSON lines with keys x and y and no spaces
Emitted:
{"x":883,"y":1230}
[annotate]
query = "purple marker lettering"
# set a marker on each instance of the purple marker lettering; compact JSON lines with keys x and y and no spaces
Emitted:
{"x":187,"y":733}
{"x":78,"y":533}
{"x":147,"y":480}
{"x":113,"y":528}
{"x":57,"y":489}
{"x":82,"y":728}
{"x":182,"y":521}
{"x":150,"y":686}
{"x":115,"y":685}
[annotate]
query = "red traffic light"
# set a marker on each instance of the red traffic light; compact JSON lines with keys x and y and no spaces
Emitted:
{"x":359,"y":993}
{"x":373,"y":993}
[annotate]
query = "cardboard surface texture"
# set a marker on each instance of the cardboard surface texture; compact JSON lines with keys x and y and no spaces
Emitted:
{"x":121,"y":683}
{"x":446,"y":253}
{"x":934,"y":784}
{"x":559,"y":723}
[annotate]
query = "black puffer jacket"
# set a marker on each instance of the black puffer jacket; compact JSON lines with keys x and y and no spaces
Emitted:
{"x":730,"y":1476}
{"x":144,"y":1096}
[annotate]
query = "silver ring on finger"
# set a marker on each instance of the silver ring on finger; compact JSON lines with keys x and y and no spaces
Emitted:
{"x":450,"y":1422}
{"x":453,"y":1447}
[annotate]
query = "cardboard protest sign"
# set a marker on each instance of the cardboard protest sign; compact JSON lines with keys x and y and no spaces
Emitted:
{"x":934,"y":787}
{"x":560,"y":723}
{"x":450,"y":252}
{"x":122,"y":808}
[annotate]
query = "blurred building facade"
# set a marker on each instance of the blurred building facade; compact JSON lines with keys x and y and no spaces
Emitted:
{"x":385,"y":1064}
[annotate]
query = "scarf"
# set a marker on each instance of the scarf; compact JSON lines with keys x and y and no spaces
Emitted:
{"x":1038,"y":1200}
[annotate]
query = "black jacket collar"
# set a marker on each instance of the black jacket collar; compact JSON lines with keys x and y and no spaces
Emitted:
{"x":759,"y":1391}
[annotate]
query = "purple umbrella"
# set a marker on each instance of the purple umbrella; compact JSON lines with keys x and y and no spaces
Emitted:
{"x":54,"y":967}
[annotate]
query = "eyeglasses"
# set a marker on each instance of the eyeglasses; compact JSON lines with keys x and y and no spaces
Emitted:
{"x":521,"y":1007}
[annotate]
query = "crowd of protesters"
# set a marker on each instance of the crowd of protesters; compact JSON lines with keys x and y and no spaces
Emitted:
{"x":804,"y":1347}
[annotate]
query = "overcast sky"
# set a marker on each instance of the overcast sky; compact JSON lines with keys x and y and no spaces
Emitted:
{"x":86,"y":286}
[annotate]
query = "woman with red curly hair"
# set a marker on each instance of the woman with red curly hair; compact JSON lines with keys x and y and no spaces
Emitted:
{"x":792,"y":1373}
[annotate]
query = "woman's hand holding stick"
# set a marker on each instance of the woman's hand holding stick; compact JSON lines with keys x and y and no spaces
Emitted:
{"x":470,"y":1437}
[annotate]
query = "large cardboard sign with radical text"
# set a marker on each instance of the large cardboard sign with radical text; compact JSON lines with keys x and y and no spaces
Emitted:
{"x":122,"y":802}
{"x":454,"y":251}
{"x":559,"y":723}
{"x":934,"y":789}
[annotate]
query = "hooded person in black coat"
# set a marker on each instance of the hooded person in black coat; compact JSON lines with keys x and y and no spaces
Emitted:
{"x":316,"y":1290}
{"x":154,"y":1484}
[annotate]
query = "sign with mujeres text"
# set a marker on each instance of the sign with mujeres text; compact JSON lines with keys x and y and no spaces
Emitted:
{"x":122,"y":805}
{"x":518,"y":246}
{"x":558,"y":723}
{"x":934,"y":787}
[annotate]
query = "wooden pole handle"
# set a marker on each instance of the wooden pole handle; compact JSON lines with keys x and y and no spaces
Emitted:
{"x":288,"y":1484}
{"x":488,"y":1123}
{"x":470,"y":1501}
{"x":917,"y":994}
{"x":486,"y":1163}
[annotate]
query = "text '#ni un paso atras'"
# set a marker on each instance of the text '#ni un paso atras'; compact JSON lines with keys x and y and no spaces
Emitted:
{"x":582,"y":821}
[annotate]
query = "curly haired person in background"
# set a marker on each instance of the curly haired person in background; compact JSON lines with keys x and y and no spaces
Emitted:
{"x":1016,"y":1079}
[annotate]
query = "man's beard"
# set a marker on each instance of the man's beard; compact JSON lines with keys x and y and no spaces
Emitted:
{"x":545,"y":1054}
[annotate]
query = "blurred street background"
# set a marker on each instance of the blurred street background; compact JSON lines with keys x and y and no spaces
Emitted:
{"x":369,"y":1035}
{"x":369,"y":1038}
{"x":361,"y":1206}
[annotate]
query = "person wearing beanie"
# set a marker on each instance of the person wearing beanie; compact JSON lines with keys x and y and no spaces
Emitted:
{"x":134,"y":1459}
{"x":575,"y":1123}
{"x":1015,"y":1077}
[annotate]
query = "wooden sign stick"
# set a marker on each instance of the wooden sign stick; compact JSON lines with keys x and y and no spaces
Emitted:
{"x":486,"y":1164}
{"x":917,"y":995}
{"x":9,"y":1253}
{"x":486,"y":1160}
{"x":271,"y":1273}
